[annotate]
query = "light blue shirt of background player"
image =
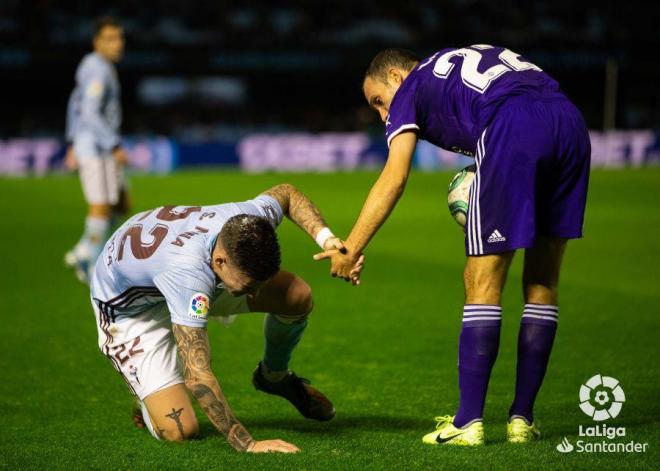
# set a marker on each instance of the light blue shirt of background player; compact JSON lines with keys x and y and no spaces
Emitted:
{"x":94,"y":111}
{"x":92,"y":129}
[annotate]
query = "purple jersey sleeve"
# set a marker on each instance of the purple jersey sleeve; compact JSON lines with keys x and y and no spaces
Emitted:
{"x":403,"y":113}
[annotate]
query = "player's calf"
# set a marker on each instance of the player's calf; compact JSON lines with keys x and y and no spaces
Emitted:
{"x":480,"y":333}
{"x":288,"y":301}
{"x":538,"y":327}
{"x":541,"y":270}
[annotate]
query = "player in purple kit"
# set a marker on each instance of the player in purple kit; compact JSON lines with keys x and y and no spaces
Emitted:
{"x":532,"y":154}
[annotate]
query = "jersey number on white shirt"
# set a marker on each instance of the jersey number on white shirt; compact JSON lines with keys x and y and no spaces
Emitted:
{"x":142,"y":250}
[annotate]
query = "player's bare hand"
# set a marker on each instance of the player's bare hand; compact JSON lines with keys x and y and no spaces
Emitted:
{"x":356,"y":271}
{"x":120,"y":155}
{"x":342,"y":265}
{"x":272,"y":446}
{"x":70,"y":159}
{"x":345,"y":265}
{"x":334,"y":243}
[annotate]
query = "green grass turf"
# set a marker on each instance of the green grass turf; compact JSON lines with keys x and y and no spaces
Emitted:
{"x":384,"y":352}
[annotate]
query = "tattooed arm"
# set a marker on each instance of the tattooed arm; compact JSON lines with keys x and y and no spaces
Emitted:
{"x":195,"y":353}
{"x":298,"y":207}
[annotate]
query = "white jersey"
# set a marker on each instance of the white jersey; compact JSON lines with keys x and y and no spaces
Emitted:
{"x":164,"y":256}
{"x":94,"y":110}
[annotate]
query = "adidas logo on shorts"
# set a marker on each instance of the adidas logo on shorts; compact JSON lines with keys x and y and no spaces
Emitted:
{"x":496,"y":237}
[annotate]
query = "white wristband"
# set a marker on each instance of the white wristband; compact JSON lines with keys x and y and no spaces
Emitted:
{"x":323,"y":235}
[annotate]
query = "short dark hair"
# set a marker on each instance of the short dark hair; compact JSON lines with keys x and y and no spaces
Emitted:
{"x":252,"y":245}
{"x":387,"y":58}
{"x":105,"y":21}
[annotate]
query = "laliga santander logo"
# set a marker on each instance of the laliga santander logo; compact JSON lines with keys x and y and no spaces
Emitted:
{"x":601,"y":397}
{"x":199,"y":306}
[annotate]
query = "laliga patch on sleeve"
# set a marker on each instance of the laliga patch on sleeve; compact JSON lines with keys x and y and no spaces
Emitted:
{"x":198,"y":308}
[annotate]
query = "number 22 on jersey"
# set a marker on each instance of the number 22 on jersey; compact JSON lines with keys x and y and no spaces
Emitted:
{"x":142,"y":250}
{"x":470,"y":75}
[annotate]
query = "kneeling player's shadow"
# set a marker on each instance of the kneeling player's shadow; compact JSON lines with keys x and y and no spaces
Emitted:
{"x":372,"y":423}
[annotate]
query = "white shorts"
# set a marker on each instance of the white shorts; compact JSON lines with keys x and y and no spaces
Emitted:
{"x":142,"y":347}
{"x":102,"y":179}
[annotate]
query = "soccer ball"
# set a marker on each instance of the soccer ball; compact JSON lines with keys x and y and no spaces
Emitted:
{"x":458,"y":194}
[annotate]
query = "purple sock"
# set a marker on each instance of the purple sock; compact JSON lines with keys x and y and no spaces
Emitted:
{"x":537,"y":333}
{"x":477,"y":351}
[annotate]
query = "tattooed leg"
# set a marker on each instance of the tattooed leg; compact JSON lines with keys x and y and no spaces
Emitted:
{"x":175,"y":416}
{"x":288,"y":301}
{"x":170,"y":414}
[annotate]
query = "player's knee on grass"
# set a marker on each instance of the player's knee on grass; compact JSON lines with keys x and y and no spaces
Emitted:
{"x":171,"y":414}
{"x":177,"y":425}
{"x":174,"y":434}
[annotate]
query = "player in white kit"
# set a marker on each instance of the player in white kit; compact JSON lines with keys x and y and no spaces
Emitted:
{"x":164,"y":272}
{"x":95,"y":149}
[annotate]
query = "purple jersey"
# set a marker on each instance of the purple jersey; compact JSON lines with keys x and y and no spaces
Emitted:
{"x":452,"y":96}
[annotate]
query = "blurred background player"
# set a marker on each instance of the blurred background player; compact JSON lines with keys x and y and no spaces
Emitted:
{"x":532,"y":154}
{"x":95,"y":149}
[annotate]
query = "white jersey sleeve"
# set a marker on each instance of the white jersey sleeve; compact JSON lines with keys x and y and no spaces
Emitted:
{"x":264,"y":206}
{"x":188,"y":293}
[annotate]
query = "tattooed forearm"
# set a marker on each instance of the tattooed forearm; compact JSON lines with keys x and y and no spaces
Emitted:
{"x":222,"y":417}
{"x":195,"y":354}
{"x":298,"y":208}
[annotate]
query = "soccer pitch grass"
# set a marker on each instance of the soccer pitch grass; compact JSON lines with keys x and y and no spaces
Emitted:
{"x":384,"y":352}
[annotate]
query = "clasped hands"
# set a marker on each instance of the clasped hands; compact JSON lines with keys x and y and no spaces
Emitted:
{"x":346,"y":263}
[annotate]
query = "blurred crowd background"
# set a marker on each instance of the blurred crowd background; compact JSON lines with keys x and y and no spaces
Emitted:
{"x":204,"y":70}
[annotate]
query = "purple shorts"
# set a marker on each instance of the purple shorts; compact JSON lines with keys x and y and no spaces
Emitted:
{"x":532,"y":176}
